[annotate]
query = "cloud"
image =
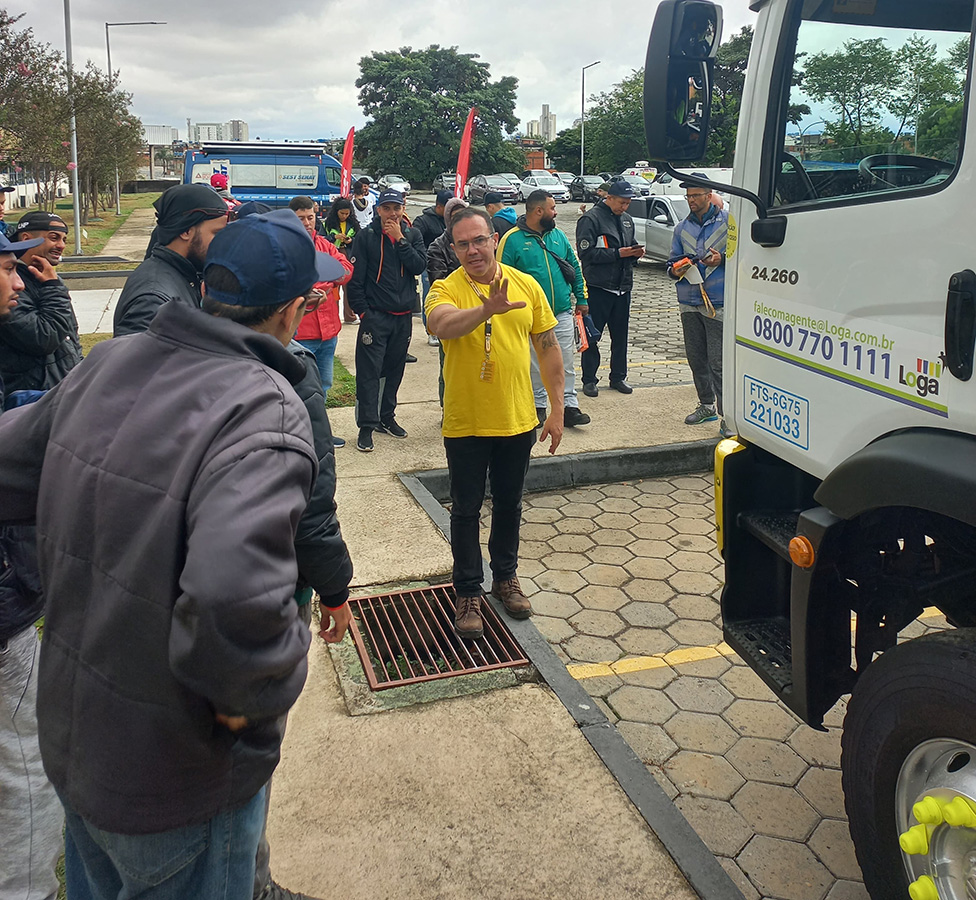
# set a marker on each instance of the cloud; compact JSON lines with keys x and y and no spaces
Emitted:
{"x":289,"y":70}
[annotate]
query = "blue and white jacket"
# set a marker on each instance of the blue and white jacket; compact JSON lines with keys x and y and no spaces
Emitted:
{"x":696,"y":238}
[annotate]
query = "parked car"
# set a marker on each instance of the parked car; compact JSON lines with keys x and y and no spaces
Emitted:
{"x":529,"y":173}
{"x":445,"y":181}
{"x":666,"y":184}
{"x":654,"y":222}
{"x":481,"y":184}
{"x":512,"y":177}
{"x":606,"y":176}
{"x":640,"y":185}
{"x":545,"y":182}
{"x":565,"y":177}
{"x":583,"y":187}
{"x":395,"y":182}
{"x":362,"y":173}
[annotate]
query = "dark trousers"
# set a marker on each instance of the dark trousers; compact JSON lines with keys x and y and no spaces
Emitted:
{"x":381,"y":352}
{"x":703,"y":347}
{"x":611,"y":311}
{"x":504,"y":461}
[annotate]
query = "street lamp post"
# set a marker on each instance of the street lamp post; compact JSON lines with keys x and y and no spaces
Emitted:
{"x":111,"y":82}
{"x":803,"y":132}
{"x":583,"y":110}
{"x":74,"y":129}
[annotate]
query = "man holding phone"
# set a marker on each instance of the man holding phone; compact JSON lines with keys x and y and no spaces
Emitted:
{"x":39,"y":341}
{"x":608,"y":253}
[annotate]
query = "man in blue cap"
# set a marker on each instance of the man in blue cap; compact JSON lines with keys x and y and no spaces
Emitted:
{"x":166,"y":476}
{"x":608,"y":254}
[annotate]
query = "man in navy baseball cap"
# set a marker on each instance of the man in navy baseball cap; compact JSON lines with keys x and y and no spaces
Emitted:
{"x":622,"y":189}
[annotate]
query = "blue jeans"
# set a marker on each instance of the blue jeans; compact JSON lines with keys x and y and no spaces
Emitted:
{"x":210,"y":861}
{"x":324,"y":358}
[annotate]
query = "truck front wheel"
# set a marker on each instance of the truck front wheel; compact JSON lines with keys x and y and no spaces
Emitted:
{"x":909,"y":769}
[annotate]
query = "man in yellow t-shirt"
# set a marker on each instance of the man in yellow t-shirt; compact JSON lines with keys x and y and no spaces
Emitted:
{"x":485,"y":315}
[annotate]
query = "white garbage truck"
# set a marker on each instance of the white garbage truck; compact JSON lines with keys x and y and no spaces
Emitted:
{"x":846,"y":504}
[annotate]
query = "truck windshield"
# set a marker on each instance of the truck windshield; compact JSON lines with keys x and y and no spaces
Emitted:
{"x":877,"y":98}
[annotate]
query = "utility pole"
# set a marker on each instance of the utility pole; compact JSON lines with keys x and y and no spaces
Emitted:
{"x":74,"y":129}
{"x":583,"y":111}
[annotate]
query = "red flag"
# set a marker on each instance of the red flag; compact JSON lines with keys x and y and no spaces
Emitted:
{"x":345,"y":185}
{"x":464,"y":156}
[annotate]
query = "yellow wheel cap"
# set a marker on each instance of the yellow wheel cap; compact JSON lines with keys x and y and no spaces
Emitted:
{"x":915,"y":841}
{"x":923,"y":889}
{"x":928,"y":811}
{"x":959,"y":814}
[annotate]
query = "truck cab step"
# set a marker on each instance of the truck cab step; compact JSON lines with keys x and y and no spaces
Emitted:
{"x":774,"y":527}
{"x":765,"y":645}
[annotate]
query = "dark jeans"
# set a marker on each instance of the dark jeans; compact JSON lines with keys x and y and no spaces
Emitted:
{"x":381,"y":352}
{"x":611,"y":311}
{"x":703,"y":347}
{"x":504,"y":461}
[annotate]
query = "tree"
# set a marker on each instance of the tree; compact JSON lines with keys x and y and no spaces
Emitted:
{"x":564,"y":149}
{"x":615,"y":126}
{"x":728,"y":85}
{"x":924,"y":82}
{"x":417,"y":102}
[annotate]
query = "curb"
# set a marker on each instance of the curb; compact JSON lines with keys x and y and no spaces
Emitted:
{"x":696,"y":862}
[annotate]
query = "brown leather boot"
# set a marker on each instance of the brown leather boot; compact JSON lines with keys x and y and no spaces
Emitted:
{"x":514,"y":600}
{"x":467,"y":620}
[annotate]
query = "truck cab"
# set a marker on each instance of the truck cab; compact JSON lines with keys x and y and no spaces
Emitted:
{"x":846,"y":504}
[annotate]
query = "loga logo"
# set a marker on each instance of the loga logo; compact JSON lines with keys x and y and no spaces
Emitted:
{"x":925,"y":378}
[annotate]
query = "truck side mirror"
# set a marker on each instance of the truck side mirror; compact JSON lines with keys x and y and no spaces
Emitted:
{"x":678,"y":78}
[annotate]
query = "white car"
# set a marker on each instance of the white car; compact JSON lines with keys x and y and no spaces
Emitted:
{"x":654,"y":222}
{"x":666,"y":184}
{"x":396,"y":183}
{"x":512,"y":177}
{"x":545,"y":182}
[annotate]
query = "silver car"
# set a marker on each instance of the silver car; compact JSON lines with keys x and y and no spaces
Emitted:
{"x":654,"y":221}
{"x":545,"y":182}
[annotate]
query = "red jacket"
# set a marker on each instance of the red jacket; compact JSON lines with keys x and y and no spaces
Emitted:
{"x":325,"y":323}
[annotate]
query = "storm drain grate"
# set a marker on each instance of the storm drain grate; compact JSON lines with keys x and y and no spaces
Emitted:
{"x":407,"y":638}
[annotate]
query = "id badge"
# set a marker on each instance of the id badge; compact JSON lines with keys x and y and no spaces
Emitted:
{"x":487,"y":370}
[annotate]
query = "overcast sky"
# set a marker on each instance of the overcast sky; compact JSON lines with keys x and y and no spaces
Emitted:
{"x":289,"y":69}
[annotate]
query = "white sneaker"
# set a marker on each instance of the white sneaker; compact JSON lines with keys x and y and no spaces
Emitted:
{"x":433,"y":341}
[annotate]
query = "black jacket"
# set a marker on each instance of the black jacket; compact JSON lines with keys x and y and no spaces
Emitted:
{"x":163,"y":275}
{"x":441,"y":259}
{"x":599,"y":236}
{"x":323,"y":559}
{"x":39,"y":342}
{"x":384,"y":276}
{"x":167,"y":476}
{"x":430,"y":225}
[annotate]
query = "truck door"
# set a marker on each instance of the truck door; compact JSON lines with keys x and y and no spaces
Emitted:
{"x":840,"y":331}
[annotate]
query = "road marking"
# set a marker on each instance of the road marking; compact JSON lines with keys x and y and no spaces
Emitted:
{"x":673,"y":659}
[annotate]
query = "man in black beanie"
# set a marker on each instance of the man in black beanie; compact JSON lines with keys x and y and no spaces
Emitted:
{"x":187,"y":218}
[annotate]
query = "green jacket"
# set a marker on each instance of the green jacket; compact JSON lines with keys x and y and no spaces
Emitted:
{"x":525,"y":250}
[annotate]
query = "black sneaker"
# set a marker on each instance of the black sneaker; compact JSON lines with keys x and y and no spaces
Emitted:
{"x":540,"y":413}
{"x":274,"y":891}
{"x":591,"y":390}
{"x":365,"y":440}
{"x":622,"y":387}
{"x":573,"y":415}
{"x":392,"y":428}
{"x":411,"y":358}
{"x":338,"y":441}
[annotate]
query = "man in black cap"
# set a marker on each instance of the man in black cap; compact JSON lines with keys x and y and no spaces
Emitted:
{"x":187,"y":218}
{"x":608,"y":253}
{"x":4,"y":228}
{"x":430,"y":224}
{"x":39,"y":341}
{"x":166,"y":478}
{"x":503,"y":217}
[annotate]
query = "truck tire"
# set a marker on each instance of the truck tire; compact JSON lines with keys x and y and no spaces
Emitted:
{"x":910,"y":732}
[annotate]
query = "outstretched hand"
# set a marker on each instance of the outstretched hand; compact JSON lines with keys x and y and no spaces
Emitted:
{"x":497,"y":302}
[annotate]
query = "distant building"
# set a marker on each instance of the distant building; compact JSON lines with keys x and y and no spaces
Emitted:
{"x":532,"y":128}
{"x":160,"y":135}
{"x":547,"y":124}
{"x":234,"y":130}
{"x":237,"y":130}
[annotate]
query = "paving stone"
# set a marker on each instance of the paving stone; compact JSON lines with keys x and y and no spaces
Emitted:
{"x":549,"y":501}
{"x":549,"y":603}
{"x":776,"y":811}
{"x":823,"y":791}
{"x":552,"y":629}
{"x":690,"y":482}
{"x":617,"y":504}
{"x":704,"y":543}
{"x":836,"y":714}
{"x":574,"y":526}
{"x":722,"y":829}
{"x":645,"y":641}
{"x":758,"y":759}
{"x":702,"y":775}
{"x":655,"y":486}
{"x":658,"y":678}
{"x":562,"y":654}
{"x":652,"y":514}
{"x":581,"y":510}
{"x":647,"y":615}
{"x":690,"y":560}
{"x":529,"y":587}
{"x":637,"y":704}
{"x":848,"y":890}
{"x":611,"y":537}
{"x":583,"y":495}
{"x":540,"y":515}
{"x":692,"y":511}
{"x":695,"y":634}
{"x":601,"y":686}
{"x":621,"y":521}
{"x":597,"y":573}
{"x":712,"y":667}
{"x":662,"y":779}
{"x":655,"y":549}
{"x":649,"y":590}
{"x":652,"y":531}
{"x":657,"y":501}
{"x":566,"y":562}
{"x":701,"y":732}
{"x":690,"y":496}
{"x":561,"y":582}
{"x":611,"y":556}
{"x":650,"y":742}
{"x":688,"y":606}
{"x":533,"y":549}
{"x":693,"y":582}
{"x":832,"y":844}
{"x":628,"y":491}
{"x":530,"y":567}
{"x":745,"y":683}
{"x":605,"y":709}
{"x":586,"y":648}
{"x":756,"y":718}
{"x":570,"y":543}
{"x":747,"y":888}
{"x":819,"y":748}
{"x":704,"y":695}
{"x":600,"y":596}
{"x":692,"y":526}
{"x":642,"y":567}
{"x":784,"y":869}
{"x":597,"y":622}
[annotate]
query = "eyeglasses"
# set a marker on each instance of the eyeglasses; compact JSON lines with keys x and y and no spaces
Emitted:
{"x":313,"y":299}
{"x":697,"y":196}
{"x":479,"y":243}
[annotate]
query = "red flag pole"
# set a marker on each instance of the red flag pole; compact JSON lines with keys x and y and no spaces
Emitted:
{"x":345,"y":185}
{"x":464,"y":155}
